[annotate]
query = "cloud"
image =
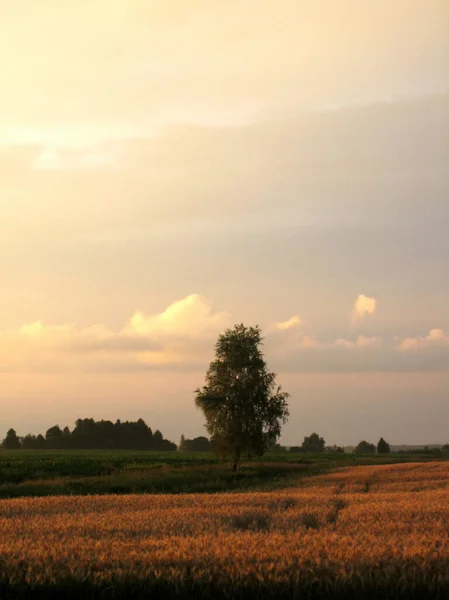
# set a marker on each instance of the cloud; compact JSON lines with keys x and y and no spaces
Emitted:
{"x":364,"y":306}
{"x":435,"y":338}
{"x":226,"y":58}
{"x":190,"y":317}
{"x":292,"y":322}
{"x":181,"y":338}
{"x":360,"y":342}
{"x":183,"y":333}
{"x":297,"y":352}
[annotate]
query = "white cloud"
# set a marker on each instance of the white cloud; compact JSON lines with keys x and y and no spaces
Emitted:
{"x":369,"y":342}
{"x":181,"y":337}
{"x":361,"y":342}
{"x":294,"y":351}
{"x":435,"y":338}
{"x":192,"y":317}
{"x":183,"y":333}
{"x":364,"y":306}
{"x":292,"y":322}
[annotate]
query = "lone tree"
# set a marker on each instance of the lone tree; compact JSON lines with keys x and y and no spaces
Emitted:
{"x":243,"y":406}
{"x":11,"y":441}
{"x":313,"y":443}
{"x":383,"y":447}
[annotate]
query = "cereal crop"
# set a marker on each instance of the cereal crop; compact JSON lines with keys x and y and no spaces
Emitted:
{"x":361,"y":532}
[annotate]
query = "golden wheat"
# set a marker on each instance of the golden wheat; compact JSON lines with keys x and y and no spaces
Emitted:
{"x":382,"y":524}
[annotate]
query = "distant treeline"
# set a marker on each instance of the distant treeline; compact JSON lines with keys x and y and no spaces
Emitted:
{"x":90,"y":434}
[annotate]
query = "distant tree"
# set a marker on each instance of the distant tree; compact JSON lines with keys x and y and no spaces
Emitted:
{"x":334,"y":449}
{"x":11,"y":441}
{"x":168,"y":446}
{"x":40,"y":442}
{"x":182,"y":442}
{"x":383,"y":447}
{"x":29,"y":442}
{"x":277,"y":448}
{"x":66,"y":440}
{"x":240,"y":400}
{"x":313,"y":443}
{"x":54,"y":437}
{"x":54,"y":431}
{"x":364,"y":447}
{"x":158,"y":440}
{"x":296,"y":449}
{"x":198,"y":444}
{"x":84,"y":434}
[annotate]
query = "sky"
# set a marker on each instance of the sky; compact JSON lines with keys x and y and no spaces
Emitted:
{"x":169,"y":169}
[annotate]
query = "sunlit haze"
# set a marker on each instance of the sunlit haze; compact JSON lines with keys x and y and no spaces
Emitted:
{"x":171,"y":168}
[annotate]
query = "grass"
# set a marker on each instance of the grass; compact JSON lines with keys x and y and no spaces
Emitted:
{"x":182,"y":480}
{"x":17,"y":466}
{"x":86,"y":472}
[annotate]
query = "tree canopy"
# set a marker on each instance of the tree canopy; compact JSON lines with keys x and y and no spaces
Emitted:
{"x":365,"y":447}
{"x":241,"y":402}
{"x":11,"y":441}
{"x":313,"y":443}
{"x":383,"y":447}
{"x":198,"y":444}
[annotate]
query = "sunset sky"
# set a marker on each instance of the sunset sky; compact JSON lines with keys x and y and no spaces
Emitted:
{"x":169,"y":168}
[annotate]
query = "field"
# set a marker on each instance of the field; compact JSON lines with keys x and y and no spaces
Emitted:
{"x":86,"y":472}
{"x":356,"y":532}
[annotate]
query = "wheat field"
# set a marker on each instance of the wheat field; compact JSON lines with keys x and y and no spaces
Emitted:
{"x":377,"y":531}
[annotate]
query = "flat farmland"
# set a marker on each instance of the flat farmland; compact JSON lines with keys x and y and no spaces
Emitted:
{"x":26,"y":473}
{"x":357,"y":532}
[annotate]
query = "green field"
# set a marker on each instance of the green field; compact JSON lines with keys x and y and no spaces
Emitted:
{"x":81,"y":472}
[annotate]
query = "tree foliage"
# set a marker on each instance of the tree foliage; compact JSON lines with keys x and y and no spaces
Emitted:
{"x":241,"y":402}
{"x":219,"y":446}
{"x":11,"y":441}
{"x":91,"y":434}
{"x":198,"y":444}
{"x":313,"y":443}
{"x":334,"y":449}
{"x":365,"y":447}
{"x":383,"y":447}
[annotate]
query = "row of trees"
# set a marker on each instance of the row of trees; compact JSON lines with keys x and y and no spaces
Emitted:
{"x":314,"y":443}
{"x":91,"y":434}
{"x":365,"y":447}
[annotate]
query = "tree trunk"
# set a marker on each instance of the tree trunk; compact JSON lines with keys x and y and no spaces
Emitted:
{"x":236,"y":459}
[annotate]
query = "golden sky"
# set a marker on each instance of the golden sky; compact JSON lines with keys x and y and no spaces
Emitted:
{"x":170,"y":168}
